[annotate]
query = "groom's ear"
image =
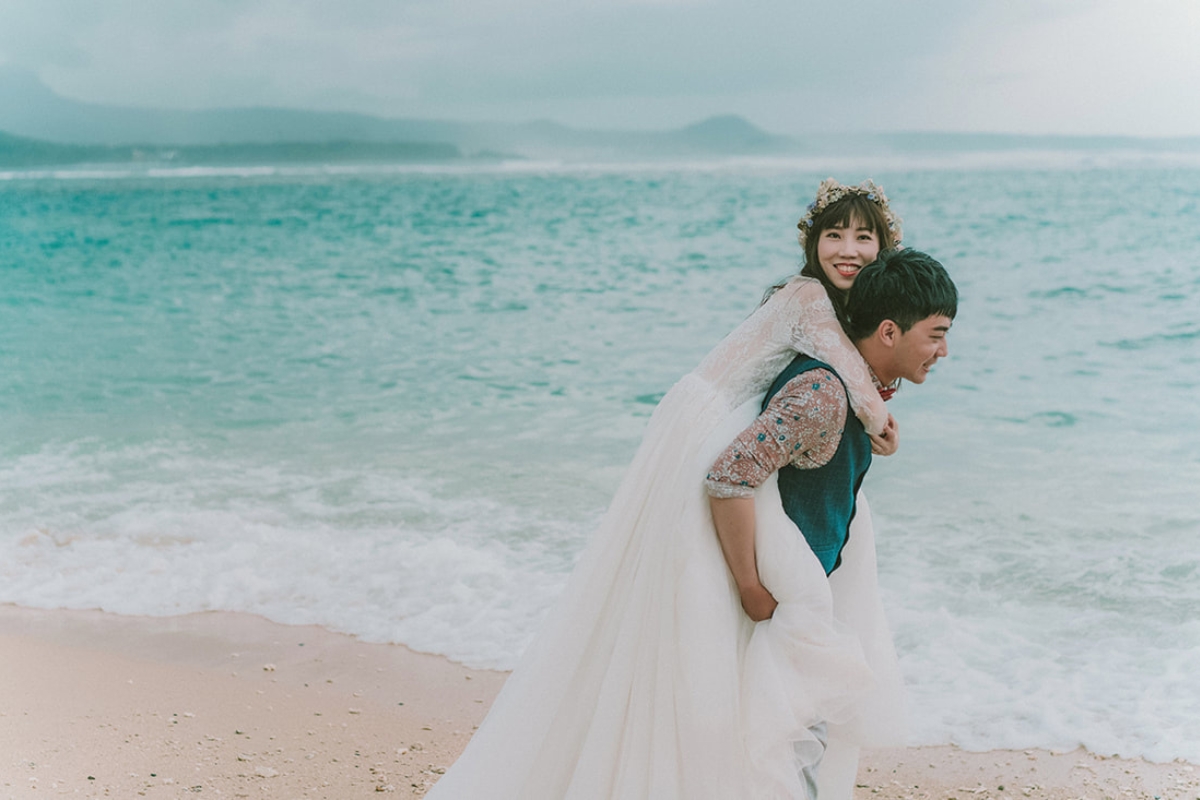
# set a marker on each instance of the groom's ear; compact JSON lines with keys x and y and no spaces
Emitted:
{"x":888,"y":332}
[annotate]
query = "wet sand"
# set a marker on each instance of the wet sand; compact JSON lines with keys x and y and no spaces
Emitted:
{"x":232,"y":705}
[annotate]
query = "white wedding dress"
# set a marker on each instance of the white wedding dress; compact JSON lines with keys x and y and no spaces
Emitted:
{"x":647,"y":681}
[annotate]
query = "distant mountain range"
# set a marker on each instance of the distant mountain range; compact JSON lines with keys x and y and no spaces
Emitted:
{"x":44,"y":128}
{"x":30,"y":110}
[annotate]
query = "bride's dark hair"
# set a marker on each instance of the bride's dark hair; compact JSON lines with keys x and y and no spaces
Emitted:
{"x":853,"y":208}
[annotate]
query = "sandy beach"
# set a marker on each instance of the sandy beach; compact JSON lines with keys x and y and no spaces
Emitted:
{"x":232,"y":705}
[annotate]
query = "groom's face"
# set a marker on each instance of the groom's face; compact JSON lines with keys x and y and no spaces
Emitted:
{"x":920,"y":347}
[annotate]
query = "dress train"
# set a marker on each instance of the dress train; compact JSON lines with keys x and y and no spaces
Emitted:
{"x":647,"y":681}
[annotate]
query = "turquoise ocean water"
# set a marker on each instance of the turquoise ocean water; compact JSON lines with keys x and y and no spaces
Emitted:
{"x":393,"y":401}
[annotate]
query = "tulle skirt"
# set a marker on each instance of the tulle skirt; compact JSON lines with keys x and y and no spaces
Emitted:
{"x":647,"y":682}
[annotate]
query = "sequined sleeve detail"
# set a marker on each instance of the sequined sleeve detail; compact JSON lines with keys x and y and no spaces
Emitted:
{"x":802,"y":426}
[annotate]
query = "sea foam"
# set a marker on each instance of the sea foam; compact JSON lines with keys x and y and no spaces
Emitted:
{"x":394,"y":403}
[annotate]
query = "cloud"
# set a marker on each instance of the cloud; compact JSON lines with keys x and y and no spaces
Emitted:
{"x":1091,"y":66}
{"x":790,"y":65}
{"x":36,"y":34}
{"x":596,"y":51}
{"x":222,"y":53}
{"x":502,"y":58}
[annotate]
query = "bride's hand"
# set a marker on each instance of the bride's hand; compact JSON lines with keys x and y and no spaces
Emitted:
{"x":887,"y":442}
{"x":758,"y":603}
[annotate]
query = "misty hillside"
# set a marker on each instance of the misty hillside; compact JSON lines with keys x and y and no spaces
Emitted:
{"x":30,"y":110}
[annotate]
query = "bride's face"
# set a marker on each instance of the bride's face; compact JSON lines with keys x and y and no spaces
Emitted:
{"x":843,"y":251}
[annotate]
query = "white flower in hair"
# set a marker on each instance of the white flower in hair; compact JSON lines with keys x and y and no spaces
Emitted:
{"x":830,"y":191}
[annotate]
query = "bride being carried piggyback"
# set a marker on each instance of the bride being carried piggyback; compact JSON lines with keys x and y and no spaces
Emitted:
{"x":663,"y":674}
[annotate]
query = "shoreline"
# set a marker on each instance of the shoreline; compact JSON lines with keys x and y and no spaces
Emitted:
{"x":231,"y":704}
{"x":225,"y":704}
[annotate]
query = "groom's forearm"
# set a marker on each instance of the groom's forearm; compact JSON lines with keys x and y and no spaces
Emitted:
{"x":734,"y":520}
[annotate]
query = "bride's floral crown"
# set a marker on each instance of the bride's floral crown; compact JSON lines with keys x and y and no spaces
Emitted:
{"x":830,"y":191}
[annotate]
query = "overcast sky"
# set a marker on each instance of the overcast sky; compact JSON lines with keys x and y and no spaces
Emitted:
{"x":790,"y":66}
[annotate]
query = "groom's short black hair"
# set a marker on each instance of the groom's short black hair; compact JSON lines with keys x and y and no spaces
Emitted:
{"x":905,"y":286}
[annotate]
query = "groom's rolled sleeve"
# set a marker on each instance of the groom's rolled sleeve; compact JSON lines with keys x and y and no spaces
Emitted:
{"x":802,"y":426}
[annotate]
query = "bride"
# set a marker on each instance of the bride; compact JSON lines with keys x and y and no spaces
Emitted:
{"x":648,"y":681}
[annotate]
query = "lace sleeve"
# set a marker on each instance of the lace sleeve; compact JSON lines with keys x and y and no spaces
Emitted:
{"x":802,"y":426}
{"x":816,"y":332}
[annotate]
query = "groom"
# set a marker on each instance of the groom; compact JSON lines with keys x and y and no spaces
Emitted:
{"x":900,"y":309}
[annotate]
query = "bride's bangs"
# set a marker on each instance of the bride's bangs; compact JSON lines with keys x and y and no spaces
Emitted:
{"x":852,"y":208}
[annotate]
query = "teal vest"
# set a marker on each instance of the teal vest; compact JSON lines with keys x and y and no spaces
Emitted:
{"x":821,"y":501}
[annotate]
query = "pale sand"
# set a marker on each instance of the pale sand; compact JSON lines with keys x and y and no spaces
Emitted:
{"x":231,"y":705}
